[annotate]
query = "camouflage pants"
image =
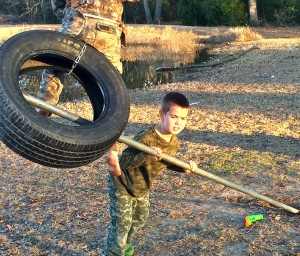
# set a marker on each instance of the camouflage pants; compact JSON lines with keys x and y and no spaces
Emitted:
{"x":128,"y":214}
{"x":102,"y":34}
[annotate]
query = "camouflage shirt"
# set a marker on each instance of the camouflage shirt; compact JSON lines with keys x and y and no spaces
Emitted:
{"x":139,"y":169}
{"x":109,"y":9}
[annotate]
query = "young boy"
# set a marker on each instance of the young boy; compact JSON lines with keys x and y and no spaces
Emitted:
{"x":131,"y":178}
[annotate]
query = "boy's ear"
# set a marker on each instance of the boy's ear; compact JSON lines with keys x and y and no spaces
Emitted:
{"x":161,"y":114}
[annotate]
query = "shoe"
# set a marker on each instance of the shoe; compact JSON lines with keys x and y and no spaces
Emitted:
{"x":129,"y":250}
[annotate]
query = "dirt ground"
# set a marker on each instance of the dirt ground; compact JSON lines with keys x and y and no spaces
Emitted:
{"x":244,"y":126}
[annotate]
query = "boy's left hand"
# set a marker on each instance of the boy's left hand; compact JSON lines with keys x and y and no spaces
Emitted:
{"x":193,"y":167}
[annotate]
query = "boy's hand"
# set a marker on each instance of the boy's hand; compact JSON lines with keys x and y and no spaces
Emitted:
{"x":114,"y":169}
{"x":113,"y":166}
{"x":193,"y":167}
{"x":158,"y":151}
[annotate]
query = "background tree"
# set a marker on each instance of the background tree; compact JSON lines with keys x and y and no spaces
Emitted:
{"x":157,"y":14}
{"x":190,"y":12}
{"x":30,"y":11}
{"x":186,"y":12}
{"x":134,"y":13}
{"x":253,"y":17}
{"x":33,"y":11}
{"x":156,"y":18}
{"x":212,"y":12}
{"x":149,"y":18}
{"x":279,"y":12}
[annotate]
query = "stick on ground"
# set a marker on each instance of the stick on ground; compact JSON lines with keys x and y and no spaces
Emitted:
{"x":206,"y":65}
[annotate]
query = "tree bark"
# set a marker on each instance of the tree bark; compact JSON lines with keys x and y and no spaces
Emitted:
{"x":253,"y":17}
{"x":46,"y":10}
{"x":157,"y":15}
{"x":148,"y":12}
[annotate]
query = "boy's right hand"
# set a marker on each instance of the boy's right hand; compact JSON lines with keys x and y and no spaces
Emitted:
{"x":113,"y":166}
{"x":114,"y":169}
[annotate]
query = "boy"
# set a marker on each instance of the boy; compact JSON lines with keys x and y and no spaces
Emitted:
{"x":130,"y":179}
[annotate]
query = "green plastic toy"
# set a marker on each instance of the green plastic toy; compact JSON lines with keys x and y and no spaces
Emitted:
{"x":250,"y":219}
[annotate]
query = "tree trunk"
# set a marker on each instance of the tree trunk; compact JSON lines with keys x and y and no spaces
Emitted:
{"x":47,"y":12}
{"x":157,"y":15}
{"x":253,"y":18}
{"x":148,"y":12}
{"x":33,"y":12}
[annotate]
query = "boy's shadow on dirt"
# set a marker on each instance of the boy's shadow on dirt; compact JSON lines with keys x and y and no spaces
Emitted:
{"x":269,"y":105}
{"x":260,"y":142}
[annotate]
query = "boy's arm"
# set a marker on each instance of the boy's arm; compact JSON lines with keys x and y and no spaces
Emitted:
{"x":113,"y":165}
{"x":136,"y":160}
{"x":193,"y":167}
{"x":132,"y":157}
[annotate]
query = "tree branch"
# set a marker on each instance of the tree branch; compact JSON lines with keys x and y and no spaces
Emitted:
{"x":214,"y":64}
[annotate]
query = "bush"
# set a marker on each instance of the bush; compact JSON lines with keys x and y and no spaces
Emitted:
{"x":279,"y":12}
{"x":212,"y":12}
{"x":225,"y":12}
{"x":190,"y":12}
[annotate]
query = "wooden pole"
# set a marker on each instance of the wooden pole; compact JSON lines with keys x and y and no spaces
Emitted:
{"x":71,"y":117}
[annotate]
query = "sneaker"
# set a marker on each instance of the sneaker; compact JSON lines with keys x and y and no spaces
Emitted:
{"x":129,"y":250}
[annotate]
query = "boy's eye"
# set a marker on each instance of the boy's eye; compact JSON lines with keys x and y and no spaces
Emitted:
{"x":176,"y":117}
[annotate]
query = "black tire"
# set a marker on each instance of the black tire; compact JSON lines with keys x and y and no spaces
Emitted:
{"x":40,"y":139}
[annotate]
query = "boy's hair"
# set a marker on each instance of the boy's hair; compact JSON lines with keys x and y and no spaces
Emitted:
{"x":174,"y":98}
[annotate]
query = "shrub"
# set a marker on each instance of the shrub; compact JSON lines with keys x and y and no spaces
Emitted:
{"x":212,"y":12}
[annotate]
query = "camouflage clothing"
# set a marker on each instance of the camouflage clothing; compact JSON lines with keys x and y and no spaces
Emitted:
{"x":129,"y":193}
{"x":110,"y":9}
{"x":139,"y":169}
{"x":98,"y":23}
{"x":128,"y":214}
{"x":50,"y":87}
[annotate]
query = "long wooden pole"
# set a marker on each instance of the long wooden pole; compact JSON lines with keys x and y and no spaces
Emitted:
{"x":71,"y":117}
{"x":206,"y":174}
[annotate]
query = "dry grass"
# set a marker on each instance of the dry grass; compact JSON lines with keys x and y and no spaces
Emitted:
{"x":245,"y":34}
{"x":9,"y":31}
{"x":168,"y":38}
{"x":169,"y":45}
{"x":237,"y":34}
{"x":144,"y":43}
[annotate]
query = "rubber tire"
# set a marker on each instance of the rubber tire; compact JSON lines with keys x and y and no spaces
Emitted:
{"x":41,"y":140}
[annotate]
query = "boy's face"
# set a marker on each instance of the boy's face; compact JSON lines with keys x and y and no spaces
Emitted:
{"x":174,"y":121}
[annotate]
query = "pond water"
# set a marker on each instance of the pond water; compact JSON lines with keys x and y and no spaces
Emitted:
{"x":141,"y":74}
